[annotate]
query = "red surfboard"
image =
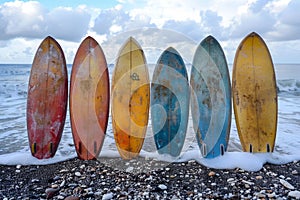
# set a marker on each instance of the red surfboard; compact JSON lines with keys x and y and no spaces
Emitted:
{"x":47,"y":99}
{"x":89,"y":99}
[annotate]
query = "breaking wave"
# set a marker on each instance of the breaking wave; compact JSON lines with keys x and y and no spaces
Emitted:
{"x":289,"y":86}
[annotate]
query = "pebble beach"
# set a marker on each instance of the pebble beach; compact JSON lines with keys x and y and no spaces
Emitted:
{"x":141,"y":178}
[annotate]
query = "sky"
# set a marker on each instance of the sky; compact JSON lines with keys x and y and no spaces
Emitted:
{"x":155,"y":24}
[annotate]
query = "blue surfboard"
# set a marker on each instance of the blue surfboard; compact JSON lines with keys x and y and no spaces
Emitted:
{"x":169,"y":103}
{"x":211,"y":98}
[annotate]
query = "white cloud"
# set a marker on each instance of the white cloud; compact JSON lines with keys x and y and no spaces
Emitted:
{"x":19,"y":50}
{"x":4,"y":43}
{"x":162,"y":11}
{"x":189,"y":28}
{"x":276,"y":6}
{"x":138,"y":22}
{"x":23,"y":19}
{"x":288,"y":24}
{"x":115,"y":20}
{"x":31,"y":20}
{"x":108,"y":18}
{"x":276,"y":20}
{"x":68,"y":24}
{"x":229,"y":21}
{"x":255,"y":18}
{"x":291,"y":14}
{"x":211,"y":23}
{"x":285,"y":51}
{"x":115,"y":28}
{"x":28,"y":51}
{"x":229,"y":10}
{"x":153,"y":41}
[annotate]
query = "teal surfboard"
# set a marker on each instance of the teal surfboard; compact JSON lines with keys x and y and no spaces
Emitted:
{"x":169,"y":103}
{"x":211,"y":98}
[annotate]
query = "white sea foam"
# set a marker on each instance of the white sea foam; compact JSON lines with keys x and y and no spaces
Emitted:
{"x":288,"y":85}
{"x":14,"y":148}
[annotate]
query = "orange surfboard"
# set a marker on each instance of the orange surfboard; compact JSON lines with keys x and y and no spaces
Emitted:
{"x":130,"y":99}
{"x":89,"y":99}
{"x":255,"y":95}
{"x":47,"y":99}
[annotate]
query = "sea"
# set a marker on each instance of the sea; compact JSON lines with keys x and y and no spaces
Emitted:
{"x":14,"y":146}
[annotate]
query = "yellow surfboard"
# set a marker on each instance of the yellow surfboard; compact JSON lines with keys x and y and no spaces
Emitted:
{"x":130,"y":99}
{"x":255,"y":95}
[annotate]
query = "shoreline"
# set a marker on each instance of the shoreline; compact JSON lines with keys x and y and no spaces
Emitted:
{"x":114,"y":178}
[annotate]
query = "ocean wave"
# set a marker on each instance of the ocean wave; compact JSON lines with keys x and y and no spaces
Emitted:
{"x":8,"y":90}
{"x":288,"y":86}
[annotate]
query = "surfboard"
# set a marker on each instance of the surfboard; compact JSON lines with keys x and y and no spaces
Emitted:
{"x":211,"y":98}
{"x":255,"y":95}
{"x":47,"y":99}
{"x":169,"y":103}
{"x":130,"y":99}
{"x":89,"y":99}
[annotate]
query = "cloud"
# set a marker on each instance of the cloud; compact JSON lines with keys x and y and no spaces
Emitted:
{"x":31,"y":20}
{"x":291,"y":14}
{"x":28,"y":51}
{"x":4,"y":43}
{"x":138,"y":22}
{"x":18,"y":50}
{"x":227,"y":20}
{"x":153,"y":41}
{"x":189,"y":28}
{"x":258,"y":6}
{"x":257,"y":17}
{"x":116,"y":20}
{"x":288,"y":25}
{"x":68,"y":24}
{"x":211,"y":23}
{"x":162,"y":11}
{"x":21,"y":19}
{"x":109,"y":18}
{"x":285,"y":51}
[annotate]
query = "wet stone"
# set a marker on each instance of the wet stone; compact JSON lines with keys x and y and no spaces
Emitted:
{"x":77,"y":174}
{"x":72,"y":198}
{"x":287,"y":184}
{"x":50,"y":192}
{"x":294,"y":194}
{"x":35,"y":180}
{"x":162,"y":187}
{"x":211,"y":173}
{"x":294,"y":172}
{"x":108,"y":196}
